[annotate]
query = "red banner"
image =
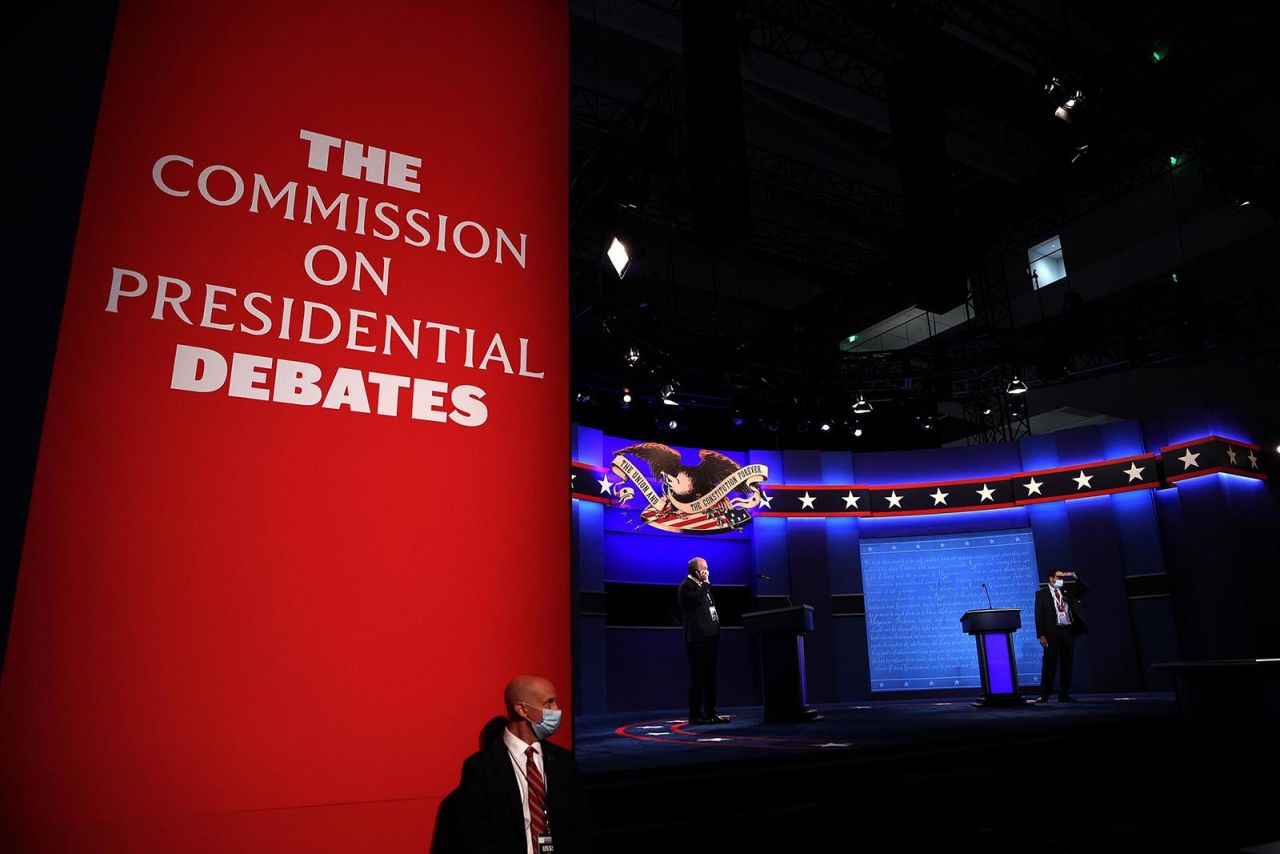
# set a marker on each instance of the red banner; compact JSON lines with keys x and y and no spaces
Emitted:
{"x":272,"y":584}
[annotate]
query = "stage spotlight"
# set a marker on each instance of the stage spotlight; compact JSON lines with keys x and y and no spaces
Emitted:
{"x":633,"y":356}
{"x":669,"y":393}
{"x":826,"y":427}
{"x":1016,"y":386}
{"x":1069,"y":106}
{"x":860,"y":406}
{"x":673,"y":424}
{"x":626,"y":396}
{"x":857,"y":431}
{"x":619,"y":257}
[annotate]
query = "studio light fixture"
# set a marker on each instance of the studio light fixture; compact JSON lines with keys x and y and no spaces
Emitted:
{"x":619,"y":257}
{"x":669,"y":393}
{"x":826,"y":427}
{"x":860,"y":406}
{"x":626,"y":396}
{"x":673,"y":424}
{"x":633,"y":356}
{"x":1068,"y":107}
{"x":857,"y":431}
{"x":1016,"y":386}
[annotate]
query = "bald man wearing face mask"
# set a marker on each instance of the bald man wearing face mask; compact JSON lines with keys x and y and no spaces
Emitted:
{"x":521,"y":794}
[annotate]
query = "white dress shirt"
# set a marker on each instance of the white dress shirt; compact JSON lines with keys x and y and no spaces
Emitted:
{"x":516,"y":750}
{"x":1060,"y":606}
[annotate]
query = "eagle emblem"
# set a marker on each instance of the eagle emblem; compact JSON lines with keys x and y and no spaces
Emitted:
{"x":698,"y":499}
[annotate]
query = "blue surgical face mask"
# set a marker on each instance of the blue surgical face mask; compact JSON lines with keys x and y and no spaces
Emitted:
{"x":1057,"y":582}
{"x":548,"y":725}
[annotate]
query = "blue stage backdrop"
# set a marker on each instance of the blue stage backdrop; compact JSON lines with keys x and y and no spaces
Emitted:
{"x":916,"y":589}
{"x":1182,"y":571}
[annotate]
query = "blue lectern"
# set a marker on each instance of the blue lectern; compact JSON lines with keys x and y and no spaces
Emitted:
{"x":993,"y":629}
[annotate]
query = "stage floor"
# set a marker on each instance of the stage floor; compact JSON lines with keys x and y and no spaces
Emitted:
{"x":871,"y":730}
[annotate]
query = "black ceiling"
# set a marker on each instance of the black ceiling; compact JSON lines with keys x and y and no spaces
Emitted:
{"x":789,"y":173}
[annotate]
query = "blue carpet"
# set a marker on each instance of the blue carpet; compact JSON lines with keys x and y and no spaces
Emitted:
{"x":871,"y":730}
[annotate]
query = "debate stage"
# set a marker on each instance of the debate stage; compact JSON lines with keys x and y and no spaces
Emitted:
{"x":929,"y":774}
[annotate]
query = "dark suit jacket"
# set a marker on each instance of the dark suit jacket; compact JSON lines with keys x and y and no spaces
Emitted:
{"x":493,"y":818}
{"x":695,"y":611}
{"x":1046,"y":616}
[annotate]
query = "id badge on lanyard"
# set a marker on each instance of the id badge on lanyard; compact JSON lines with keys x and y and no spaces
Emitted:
{"x":545,"y":845}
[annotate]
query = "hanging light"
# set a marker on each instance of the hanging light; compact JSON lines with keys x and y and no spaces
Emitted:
{"x":860,"y":406}
{"x":1016,"y":386}
{"x":1069,"y":106}
{"x":626,"y":396}
{"x":669,"y":393}
{"x":619,"y":257}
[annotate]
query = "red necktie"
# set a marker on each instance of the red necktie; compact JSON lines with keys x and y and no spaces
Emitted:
{"x":537,"y":797}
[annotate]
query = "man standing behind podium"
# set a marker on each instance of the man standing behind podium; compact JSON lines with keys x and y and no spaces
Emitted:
{"x":1058,"y":621}
{"x":701,"y":641}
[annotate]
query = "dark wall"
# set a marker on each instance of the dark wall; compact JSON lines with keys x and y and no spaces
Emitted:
{"x":60,"y":61}
{"x":650,"y":669}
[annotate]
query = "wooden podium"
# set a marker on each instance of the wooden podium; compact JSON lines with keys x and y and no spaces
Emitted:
{"x":781,"y":632}
{"x":993,"y":629}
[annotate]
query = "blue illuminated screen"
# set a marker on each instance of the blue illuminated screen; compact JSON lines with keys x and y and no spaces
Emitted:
{"x":916,"y":588}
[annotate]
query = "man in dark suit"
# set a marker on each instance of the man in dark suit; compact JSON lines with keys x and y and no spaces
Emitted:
{"x":520,"y":793}
{"x":1058,"y":621}
{"x":701,"y":641}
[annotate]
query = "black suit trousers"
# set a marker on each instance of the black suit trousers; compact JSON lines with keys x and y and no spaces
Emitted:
{"x":702,"y":677}
{"x":1058,"y":654}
